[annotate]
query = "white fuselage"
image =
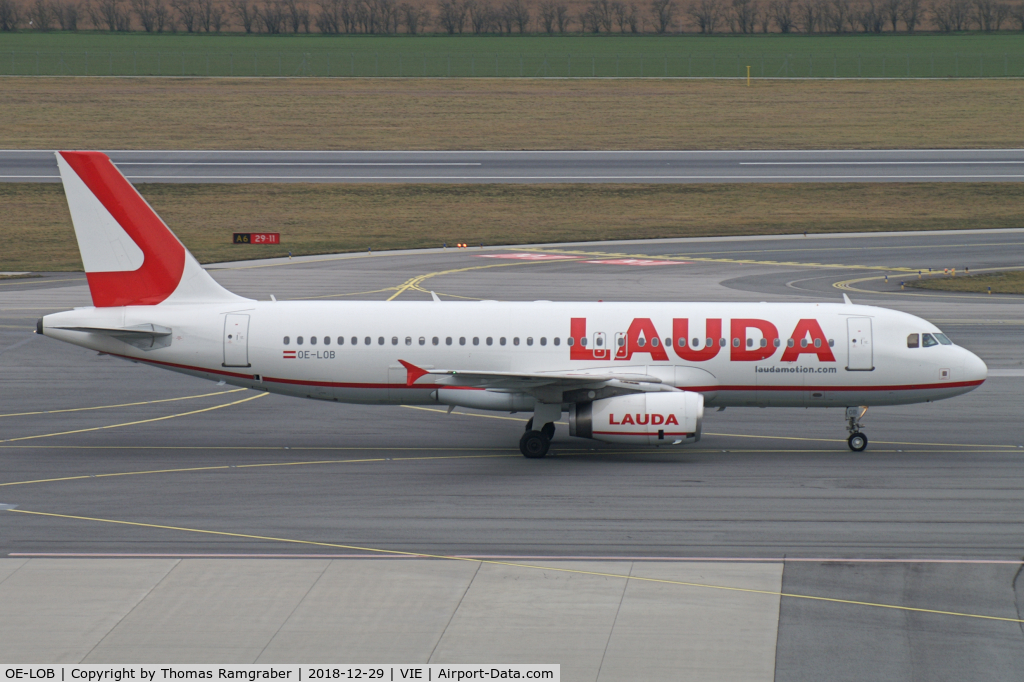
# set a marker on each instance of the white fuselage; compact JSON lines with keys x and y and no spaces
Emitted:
{"x":862,"y":356}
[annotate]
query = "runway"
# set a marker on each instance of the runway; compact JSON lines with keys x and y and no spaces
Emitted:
{"x":104,"y":458}
{"x":541,"y":167}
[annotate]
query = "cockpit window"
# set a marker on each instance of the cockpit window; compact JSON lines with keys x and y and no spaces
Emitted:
{"x":913,"y":341}
{"x":944,"y":340}
{"x":927,"y":340}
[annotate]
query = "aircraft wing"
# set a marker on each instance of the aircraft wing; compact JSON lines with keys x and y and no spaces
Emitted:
{"x":547,"y":384}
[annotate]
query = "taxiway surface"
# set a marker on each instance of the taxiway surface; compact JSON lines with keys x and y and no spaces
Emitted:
{"x":944,"y":165}
{"x":103,"y":457}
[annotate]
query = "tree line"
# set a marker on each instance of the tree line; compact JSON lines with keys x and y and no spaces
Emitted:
{"x":482,"y":17}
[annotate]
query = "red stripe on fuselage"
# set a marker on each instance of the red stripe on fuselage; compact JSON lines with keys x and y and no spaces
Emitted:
{"x":695,"y":389}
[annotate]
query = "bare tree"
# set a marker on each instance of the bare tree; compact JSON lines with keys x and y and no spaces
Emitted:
{"x":414,"y":18}
{"x":911,"y":15}
{"x":989,"y":15}
{"x":706,"y":14}
{"x":765,"y":20}
{"x":10,"y":15}
{"x":293,"y":14}
{"x":870,"y":16}
{"x":246,"y":12}
{"x":66,"y":14}
{"x":601,"y":15}
{"x":546,"y":15}
{"x":1017,"y":14}
{"x":808,"y":13}
{"x":211,"y":16}
{"x":951,"y":15}
{"x":744,"y":15}
{"x":782,"y":14}
{"x":188,"y":14}
{"x":452,"y":15}
{"x":146,"y":12}
{"x":388,"y":15}
{"x":517,"y":14}
{"x":562,"y":17}
{"x":836,"y":15}
{"x":893,"y":12}
{"x":41,"y":16}
{"x":112,"y":14}
{"x":481,"y":16}
{"x":663,"y":12}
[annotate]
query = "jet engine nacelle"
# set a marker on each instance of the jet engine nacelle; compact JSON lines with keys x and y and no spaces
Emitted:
{"x":673,"y":418}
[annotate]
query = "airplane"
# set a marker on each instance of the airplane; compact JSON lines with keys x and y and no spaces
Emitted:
{"x":634,"y":373}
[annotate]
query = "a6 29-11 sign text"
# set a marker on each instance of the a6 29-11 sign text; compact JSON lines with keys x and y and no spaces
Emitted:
{"x":257,"y":238}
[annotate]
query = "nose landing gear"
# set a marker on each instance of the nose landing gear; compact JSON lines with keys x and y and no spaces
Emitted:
{"x":857,"y":441}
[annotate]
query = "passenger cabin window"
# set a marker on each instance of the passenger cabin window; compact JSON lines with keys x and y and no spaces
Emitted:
{"x":557,"y":341}
{"x":462,"y":340}
{"x":298,"y":340}
{"x":913,"y":341}
{"x":476,"y":340}
{"x":341,"y":340}
{"x":380,"y":340}
{"x":423,"y":341}
{"x":408,"y":340}
{"x":927,"y":340}
{"x":327,"y":340}
{"x":434,"y":340}
{"x":287,"y":340}
{"x":394,"y":340}
{"x":490,"y":340}
{"x":529,"y":340}
{"x":515,"y":341}
{"x":543,"y":340}
{"x":502,"y":340}
{"x":367,"y":340}
{"x":654,"y":341}
{"x":721,"y":342}
{"x":569,"y":341}
{"x":312,"y":340}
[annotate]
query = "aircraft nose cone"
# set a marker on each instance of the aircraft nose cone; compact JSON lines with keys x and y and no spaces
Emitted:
{"x":975,"y":368}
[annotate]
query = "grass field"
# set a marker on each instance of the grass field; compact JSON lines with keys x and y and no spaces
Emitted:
{"x":772,"y":55}
{"x":337,"y":218}
{"x":51,"y":113}
{"x":1000,"y":282}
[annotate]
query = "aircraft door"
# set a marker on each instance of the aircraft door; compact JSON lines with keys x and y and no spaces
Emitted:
{"x":600,"y":346}
{"x":860,"y":354}
{"x":236,"y":340}
{"x":621,"y":346}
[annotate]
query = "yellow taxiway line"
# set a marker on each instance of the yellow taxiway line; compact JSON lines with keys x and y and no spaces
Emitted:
{"x":536,"y":567}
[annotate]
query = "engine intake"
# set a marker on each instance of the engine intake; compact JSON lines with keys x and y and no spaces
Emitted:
{"x":659,"y":418}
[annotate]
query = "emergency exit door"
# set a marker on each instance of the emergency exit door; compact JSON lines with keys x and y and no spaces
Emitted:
{"x":860,"y":354}
{"x":236,"y":340}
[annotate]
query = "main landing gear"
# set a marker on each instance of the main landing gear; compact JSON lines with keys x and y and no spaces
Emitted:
{"x":857,"y":441}
{"x":535,"y":444}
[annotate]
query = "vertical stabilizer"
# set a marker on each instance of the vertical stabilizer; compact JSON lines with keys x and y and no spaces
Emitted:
{"x":130,"y":255}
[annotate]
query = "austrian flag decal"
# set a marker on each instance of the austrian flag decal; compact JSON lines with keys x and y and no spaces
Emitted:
{"x":289,"y":355}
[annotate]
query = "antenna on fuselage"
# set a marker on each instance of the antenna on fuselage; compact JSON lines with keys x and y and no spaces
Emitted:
{"x":846,"y":300}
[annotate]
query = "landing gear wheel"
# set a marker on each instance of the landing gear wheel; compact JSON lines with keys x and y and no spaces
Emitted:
{"x":534,"y":444}
{"x":549,"y":430}
{"x":857,"y":442}
{"x":529,"y":424}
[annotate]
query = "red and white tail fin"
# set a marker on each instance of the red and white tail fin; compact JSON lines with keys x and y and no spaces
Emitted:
{"x":129,"y":254}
